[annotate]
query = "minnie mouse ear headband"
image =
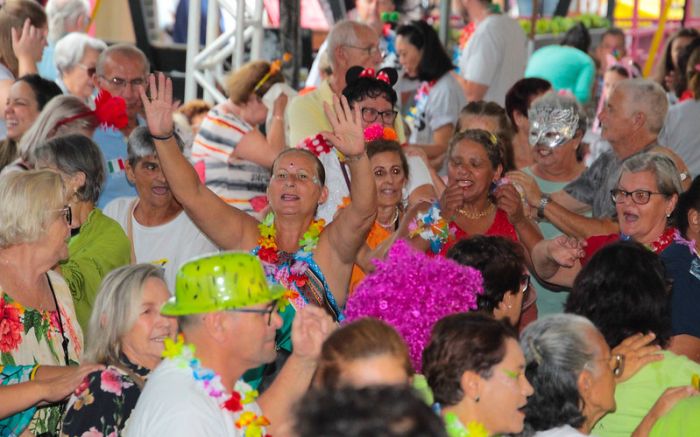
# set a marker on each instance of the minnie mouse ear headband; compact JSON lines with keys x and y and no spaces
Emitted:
{"x":389,"y":76}
{"x":110,"y":111}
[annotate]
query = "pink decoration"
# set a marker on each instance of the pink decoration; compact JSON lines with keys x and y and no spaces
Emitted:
{"x":697,"y":67}
{"x":411,"y":292}
{"x":373,"y":132}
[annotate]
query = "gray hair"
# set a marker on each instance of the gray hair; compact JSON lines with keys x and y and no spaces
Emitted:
{"x":344,"y":33}
{"x":72,"y":154}
{"x":552,"y":101}
{"x":123,"y":49}
{"x":29,"y":201}
{"x":49,"y":123}
{"x":71,"y":48}
{"x":557,"y":349}
{"x":648,"y":97}
{"x":115,"y":311}
{"x":140,"y":144}
{"x":668,"y":179}
{"x":60,"y":11}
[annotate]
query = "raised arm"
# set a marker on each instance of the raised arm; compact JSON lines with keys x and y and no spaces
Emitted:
{"x":558,"y":260}
{"x":348,"y":231}
{"x":226,"y":226}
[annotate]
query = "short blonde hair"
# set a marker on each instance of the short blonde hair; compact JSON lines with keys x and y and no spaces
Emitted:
{"x":115,"y":311}
{"x":29,"y":201}
{"x":241,"y":83}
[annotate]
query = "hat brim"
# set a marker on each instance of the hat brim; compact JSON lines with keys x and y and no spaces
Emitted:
{"x":173,"y":309}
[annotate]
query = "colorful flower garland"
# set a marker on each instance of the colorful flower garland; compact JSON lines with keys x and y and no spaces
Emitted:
{"x":431,"y":227}
{"x":454,"y":427}
{"x":183,"y":356}
{"x":290,"y":275}
{"x":415,"y":115}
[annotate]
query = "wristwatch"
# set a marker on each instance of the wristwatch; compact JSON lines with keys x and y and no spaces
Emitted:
{"x":544,"y":200}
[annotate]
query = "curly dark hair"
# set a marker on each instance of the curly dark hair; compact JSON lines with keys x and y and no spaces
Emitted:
{"x":623,"y":291}
{"x":381,"y":411}
{"x":500,"y":261}
{"x":360,"y":88}
{"x":459,"y":343}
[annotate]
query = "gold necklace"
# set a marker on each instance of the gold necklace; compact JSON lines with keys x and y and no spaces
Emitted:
{"x":474,"y":216}
{"x":392,"y":222}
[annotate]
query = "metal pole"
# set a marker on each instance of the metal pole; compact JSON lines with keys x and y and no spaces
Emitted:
{"x":212,"y":33}
{"x":195,"y":12}
{"x":240,"y":27}
{"x":445,"y":21}
{"x":256,"y":46}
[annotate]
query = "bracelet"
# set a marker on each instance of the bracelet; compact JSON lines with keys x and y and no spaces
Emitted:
{"x":163,"y":138}
{"x":354,"y":158}
{"x":544,"y":200}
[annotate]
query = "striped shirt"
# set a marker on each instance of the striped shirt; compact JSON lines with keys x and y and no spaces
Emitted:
{"x":236,"y":182}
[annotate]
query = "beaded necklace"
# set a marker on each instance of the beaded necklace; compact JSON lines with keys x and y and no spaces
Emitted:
{"x":289,"y":273}
{"x":239,"y":401}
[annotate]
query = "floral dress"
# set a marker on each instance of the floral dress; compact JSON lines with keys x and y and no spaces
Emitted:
{"x":29,"y":336}
{"x":102,"y":404}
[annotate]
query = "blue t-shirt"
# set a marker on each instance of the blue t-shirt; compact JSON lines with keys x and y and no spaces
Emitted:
{"x":566,"y":68}
{"x":113,"y":145}
{"x":46,"y":68}
{"x":684,"y":269}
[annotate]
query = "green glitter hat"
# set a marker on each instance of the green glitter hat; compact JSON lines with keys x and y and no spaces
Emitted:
{"x":222,"y":281}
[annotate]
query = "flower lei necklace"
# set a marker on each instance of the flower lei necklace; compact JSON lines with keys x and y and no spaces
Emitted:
{"x":183,"y":356}
{"x":416,"y":114}
{"x":454,"y":427}
{"x":658,"y":245}
{"x":291,"y":274}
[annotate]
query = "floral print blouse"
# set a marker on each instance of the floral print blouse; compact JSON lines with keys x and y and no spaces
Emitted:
{"x":29,"y":336}
{"x":102,"y":404}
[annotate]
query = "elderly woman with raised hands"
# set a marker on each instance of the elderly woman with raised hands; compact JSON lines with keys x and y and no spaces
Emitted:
{"x":38,"y":315}
{"x":75,"y":57}
{"x":573,"y":372}
{"x":126,"y":334}
{"x":99,"y":245}
{"x":296,"y":250}
{"x":646,"y":195}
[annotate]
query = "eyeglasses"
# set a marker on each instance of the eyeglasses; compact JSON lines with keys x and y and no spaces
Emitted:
{"x":371,"y":50}
{"x":119,"y":83}
{"x":89,"y":70}
{"x":301,"y":176}
{"x":640,"y":197}
{"x":524,"y":283}
{"x":370,"y":115}
{"x":269,"y":311}
{"x":67,"y":213}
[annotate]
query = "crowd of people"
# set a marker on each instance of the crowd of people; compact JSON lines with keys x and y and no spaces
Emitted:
{"x":499,"y":244}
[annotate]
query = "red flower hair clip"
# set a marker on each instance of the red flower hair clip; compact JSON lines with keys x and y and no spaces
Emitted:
{"x":376,"y":131}
{"x":110,"y":111}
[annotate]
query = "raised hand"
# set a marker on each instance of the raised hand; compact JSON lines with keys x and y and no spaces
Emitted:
{"x":451,"y":201}
{"x":347,"y":135}
{"x":62,"y":381}
{"x":531,"y":190}
{"x":311,"y":326}
{"x":28,"y":43}
{"x":637,"y":351}
{"x":509,"y":200}
{"x":565,"y":250}
{"x":159,"y":107}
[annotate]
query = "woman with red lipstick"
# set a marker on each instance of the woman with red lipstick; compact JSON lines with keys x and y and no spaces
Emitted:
{"x":645,"y":196}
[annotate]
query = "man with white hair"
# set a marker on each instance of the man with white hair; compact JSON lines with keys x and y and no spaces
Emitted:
{"x":350,"y":43}
{"x":631,"y":121}
{"x":228,"y":315}
{"x":64,"y":16}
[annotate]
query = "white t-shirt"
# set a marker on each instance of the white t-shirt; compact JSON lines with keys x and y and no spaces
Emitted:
{"x":168,"y":245}
{"x":173,"y":404}
{"x":496,"y":56}
{"x":445,"y":101}
{"x":418,"y":175}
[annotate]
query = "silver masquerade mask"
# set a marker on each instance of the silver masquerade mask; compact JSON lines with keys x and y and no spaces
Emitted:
{"x":551,"y":126}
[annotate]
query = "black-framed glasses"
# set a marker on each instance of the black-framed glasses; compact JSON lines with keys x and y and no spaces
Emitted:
{"x":370,"y":115}
{"x":640,"y":197}
{"x":371,"y":50}
{"x":67,"y":214}
{"x":269,"y":311}
{"x":524,"y":283}
{"x":121,"y":83}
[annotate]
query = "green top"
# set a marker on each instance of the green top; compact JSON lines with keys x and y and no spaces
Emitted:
{"x":682,"y":421}
{"x":100,"y":247}
{"x":637,"y":395}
